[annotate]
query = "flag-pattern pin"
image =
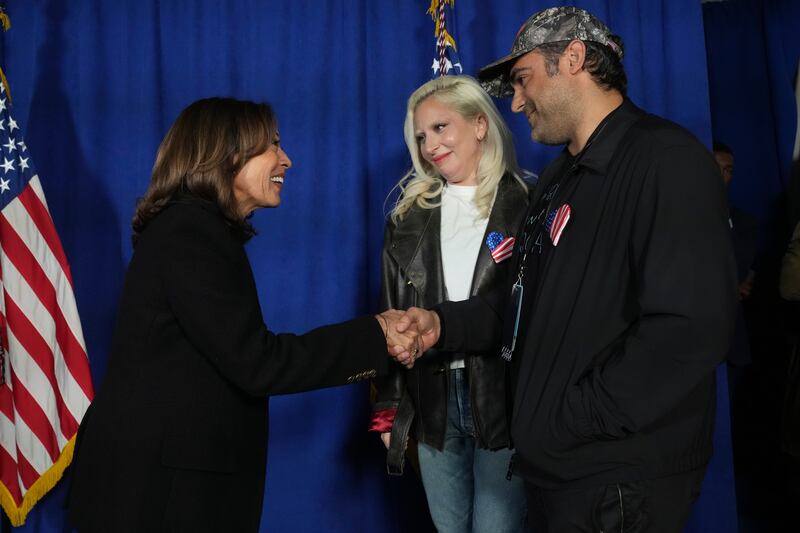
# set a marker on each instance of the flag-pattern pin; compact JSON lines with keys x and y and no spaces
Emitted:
{"x":501,"y":247}
{"x":557,"y":221}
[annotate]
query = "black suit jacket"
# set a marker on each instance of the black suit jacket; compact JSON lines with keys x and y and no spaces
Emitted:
{"x":176,"y":439}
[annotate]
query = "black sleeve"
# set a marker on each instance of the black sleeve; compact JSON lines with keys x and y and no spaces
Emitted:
{"x":684,"y":272}
{"x":209,"y":286}
{"x":474,"y":325}
{"x":389,"y":389}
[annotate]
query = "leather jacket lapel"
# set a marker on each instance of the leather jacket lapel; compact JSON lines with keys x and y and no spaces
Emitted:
{"x":511,"y":198}
{"x":417,"y":251}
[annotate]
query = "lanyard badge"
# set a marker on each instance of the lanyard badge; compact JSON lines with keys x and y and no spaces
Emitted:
{"x":554,"y":225}
{"x":511,"y":327}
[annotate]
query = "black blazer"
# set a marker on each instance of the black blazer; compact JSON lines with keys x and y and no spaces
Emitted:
{"x":176,"y":439}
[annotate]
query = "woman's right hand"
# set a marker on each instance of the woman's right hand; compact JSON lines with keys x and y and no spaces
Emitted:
{"x":386,"y":438}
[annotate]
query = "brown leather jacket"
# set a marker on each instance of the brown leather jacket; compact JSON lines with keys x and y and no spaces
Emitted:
{"x":413,"y":276}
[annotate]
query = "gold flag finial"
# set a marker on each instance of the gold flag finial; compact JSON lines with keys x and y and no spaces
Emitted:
{"x":433,"y":11}
{"x":6,"y":23}
{"x":4,"y":20}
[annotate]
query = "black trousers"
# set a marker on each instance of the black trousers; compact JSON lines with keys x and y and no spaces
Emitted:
{"x":653,"y":506}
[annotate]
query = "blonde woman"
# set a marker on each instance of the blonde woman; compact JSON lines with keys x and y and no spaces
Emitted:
{"x":448,"y":239}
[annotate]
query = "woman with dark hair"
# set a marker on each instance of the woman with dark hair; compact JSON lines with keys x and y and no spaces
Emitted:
{"x":176,"y":438}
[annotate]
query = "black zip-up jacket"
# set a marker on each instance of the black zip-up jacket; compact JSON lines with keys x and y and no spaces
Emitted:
{"x":413,"y":276}
{"x":628,"y":318}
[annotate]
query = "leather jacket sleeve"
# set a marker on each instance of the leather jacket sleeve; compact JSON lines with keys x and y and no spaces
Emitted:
{"x":390,"y":388}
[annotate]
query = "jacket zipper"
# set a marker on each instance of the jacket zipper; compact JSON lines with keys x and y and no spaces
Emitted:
{"x":473,"y":405}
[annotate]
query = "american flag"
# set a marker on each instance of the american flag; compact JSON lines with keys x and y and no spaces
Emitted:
{"x":45,"y":384}
{"x":501,"y":248}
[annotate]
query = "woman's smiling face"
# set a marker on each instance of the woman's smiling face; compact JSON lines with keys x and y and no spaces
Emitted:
{"x":260,"y":181}
{"x":448,"y":141}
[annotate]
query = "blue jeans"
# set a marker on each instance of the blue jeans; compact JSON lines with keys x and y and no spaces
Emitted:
{"x":466,"y":486}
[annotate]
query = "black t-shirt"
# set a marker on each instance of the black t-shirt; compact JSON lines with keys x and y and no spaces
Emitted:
{"x":536,"y":240}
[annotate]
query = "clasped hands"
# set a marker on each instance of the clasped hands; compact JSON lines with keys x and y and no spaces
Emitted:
{"x":409,"y":333}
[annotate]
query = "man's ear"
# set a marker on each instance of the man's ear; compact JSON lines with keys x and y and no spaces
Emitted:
{"x":575,"y":55}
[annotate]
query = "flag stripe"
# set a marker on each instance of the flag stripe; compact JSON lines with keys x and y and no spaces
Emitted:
{"x":7,"y":431}
{"x":21,"y":258}
{"x":27,"y":473}
{"x":34,"y":381}
{"x":34,"y":451}
{"x":23,"y":336}
{"x":559,"y":223}
{"x":503,"y":250}
{"x":41,"y":218}
{"x":504,"y":245}
{"x":504,"y":255}
{"x":27,"y":409}
{"x":36,"y":185}
{"x":39,"y":249}
{"x":8,"y":469}
{"x":41,"y":327}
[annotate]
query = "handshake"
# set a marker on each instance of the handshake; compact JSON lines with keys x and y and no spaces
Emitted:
{"x":409,"y":333}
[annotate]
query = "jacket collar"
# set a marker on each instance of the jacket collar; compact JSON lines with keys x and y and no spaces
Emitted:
{"x":597,"y":156}
{"x":608,"y":135}
{"x":416,"y":245}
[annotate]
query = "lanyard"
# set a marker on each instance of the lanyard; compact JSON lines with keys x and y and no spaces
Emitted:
{"x":514,"y":311}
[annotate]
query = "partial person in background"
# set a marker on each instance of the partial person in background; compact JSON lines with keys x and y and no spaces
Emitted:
{"x":176,"y":438}
{"x":739,"y":359}
{"x":743,"y":235}
{"x":743,"y":226}
{"x":449,"y":237}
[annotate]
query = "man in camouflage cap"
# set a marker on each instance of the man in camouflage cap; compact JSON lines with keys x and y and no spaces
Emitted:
{"x":624,"y":295}
{"x":553,"y":25}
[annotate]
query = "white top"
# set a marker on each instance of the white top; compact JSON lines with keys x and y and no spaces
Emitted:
{"x":461,"y":240}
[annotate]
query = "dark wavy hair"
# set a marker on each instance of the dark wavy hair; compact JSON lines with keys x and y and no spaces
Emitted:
{"x":721,"y":147}
{"x":601,"y":62}
{"x":203,"y":151}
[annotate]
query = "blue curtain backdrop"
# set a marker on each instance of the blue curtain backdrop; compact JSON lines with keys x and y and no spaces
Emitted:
{"x":751,"y":82}
{"x":753,"y":48}
{"x":96,"y":85}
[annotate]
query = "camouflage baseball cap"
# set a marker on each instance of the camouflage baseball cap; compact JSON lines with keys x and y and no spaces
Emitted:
{"x":551,"y":25}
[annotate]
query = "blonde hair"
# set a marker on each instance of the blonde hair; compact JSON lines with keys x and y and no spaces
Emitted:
{"x":423,"y":182}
